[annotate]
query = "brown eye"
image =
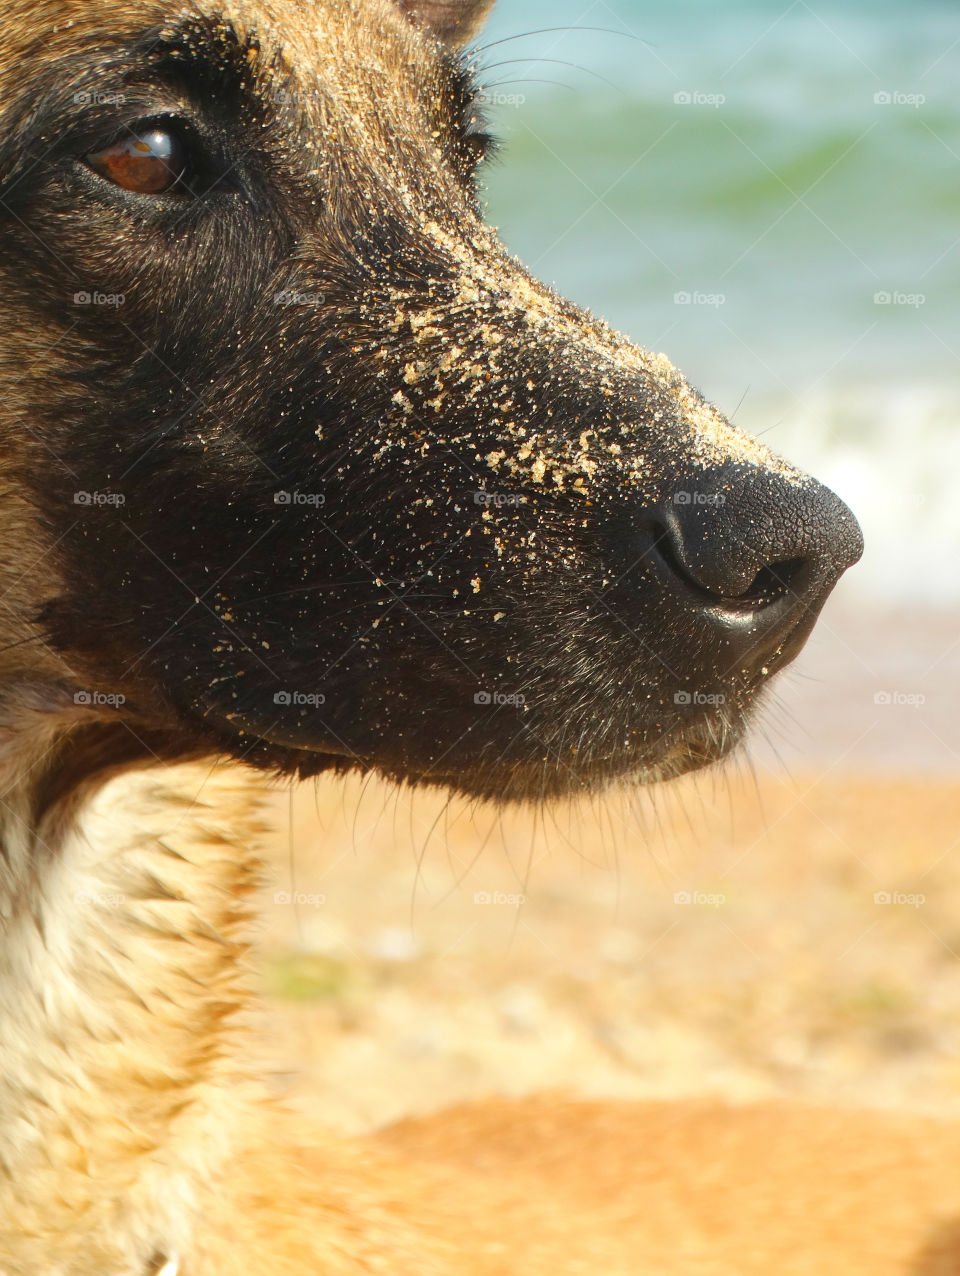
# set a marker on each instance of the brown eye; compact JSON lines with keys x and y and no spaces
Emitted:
{"x":148,"y":163}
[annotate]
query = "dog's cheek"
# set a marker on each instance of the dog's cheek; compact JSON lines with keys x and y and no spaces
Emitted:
{"x":173,"y":278}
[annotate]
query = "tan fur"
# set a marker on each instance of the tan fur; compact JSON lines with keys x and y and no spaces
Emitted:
{"x":122,"y":990}
{"x":132,"y":1137}
{"x":130,"y":1129}
{"x":629,"y":1190}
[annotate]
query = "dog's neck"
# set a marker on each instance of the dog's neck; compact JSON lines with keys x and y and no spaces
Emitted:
{"x":123,"y":917}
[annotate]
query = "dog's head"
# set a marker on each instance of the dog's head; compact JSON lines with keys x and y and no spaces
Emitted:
{"x":321,"y":475}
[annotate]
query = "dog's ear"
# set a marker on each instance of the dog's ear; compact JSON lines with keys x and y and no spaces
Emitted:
{"x":452,"y":21}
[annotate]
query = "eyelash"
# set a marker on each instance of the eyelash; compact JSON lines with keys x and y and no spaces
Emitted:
{"x":477,"y":133}
{"x":476,"y":143}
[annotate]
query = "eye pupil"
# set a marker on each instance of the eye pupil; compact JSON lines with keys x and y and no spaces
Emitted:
{"x":148,"y":163}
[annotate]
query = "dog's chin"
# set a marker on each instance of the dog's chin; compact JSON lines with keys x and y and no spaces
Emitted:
{"x":695,"y":748}
{"x":695,"y":745}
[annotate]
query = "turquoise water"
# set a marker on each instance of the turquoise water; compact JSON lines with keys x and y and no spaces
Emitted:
{"x":783,"y":199}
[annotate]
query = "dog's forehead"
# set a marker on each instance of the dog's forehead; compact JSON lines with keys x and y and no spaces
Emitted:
{"x":318,"y":32}
{"x":352,"y":43}
{"x":356,"y":45}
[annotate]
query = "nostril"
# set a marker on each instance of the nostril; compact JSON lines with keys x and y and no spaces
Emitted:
{"x":663,"y":546}
{"x":771,"y":583}
{"x":750,"y":546}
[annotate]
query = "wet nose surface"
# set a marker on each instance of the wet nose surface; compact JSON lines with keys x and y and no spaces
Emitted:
{"x":753,"y":552}
{"x":738,"y":533}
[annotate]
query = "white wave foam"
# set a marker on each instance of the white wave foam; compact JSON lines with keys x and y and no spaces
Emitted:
{"x":893,"y":453}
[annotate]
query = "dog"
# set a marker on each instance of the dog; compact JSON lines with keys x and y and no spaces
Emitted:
{"x":303,"y":472}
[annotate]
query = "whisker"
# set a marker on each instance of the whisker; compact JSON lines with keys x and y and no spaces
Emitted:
{"x":22,"y":643}
{"x":559,"y":84}
{"x":557,"y":62}
{"x":524,"y":35}
{"x":740,"y":404}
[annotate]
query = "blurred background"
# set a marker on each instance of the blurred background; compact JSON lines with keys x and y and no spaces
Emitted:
{"x":770,"y":194}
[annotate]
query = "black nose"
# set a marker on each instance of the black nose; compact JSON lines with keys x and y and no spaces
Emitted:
{"x":756,"y":554}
